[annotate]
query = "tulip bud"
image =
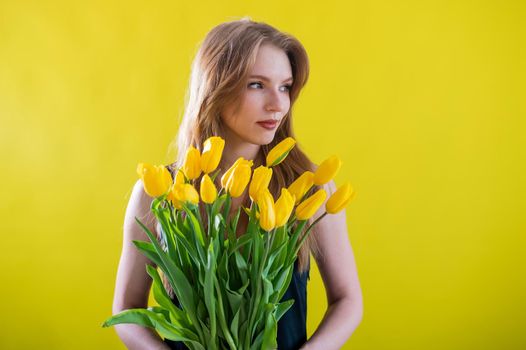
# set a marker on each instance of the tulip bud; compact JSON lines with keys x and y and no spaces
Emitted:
{"x":182,"y":193}
{"x":192,"y":163}
{"x":260,"y":181}
{"x":283,"y":207}
{"x":309,"y":206}
{"x":267,"y":215}
{"x":279,"y":152}
{"x":327,"y":170}
{"x":156,"y":179}
{"x":340,"y":199}
{"x":179,"y":177}
{"x":301,"y":185}
{"x":212,"y":152}
{"x":208,"y":189}
{"x":227,"y":174}
{"x":238,"y":179}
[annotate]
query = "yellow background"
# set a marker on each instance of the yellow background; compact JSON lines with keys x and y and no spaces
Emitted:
{"x":424,"y":101}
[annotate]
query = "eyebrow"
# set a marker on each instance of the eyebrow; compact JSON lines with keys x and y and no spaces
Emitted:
{"x":262,"y":77}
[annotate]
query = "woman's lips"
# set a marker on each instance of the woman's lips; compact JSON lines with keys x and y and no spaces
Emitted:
{"x":268,"y":125}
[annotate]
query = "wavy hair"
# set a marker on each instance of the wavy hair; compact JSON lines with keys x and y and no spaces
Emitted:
{"x":218,"y":78}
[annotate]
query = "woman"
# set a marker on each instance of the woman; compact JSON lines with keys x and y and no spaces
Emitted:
{"x":245,"y":78}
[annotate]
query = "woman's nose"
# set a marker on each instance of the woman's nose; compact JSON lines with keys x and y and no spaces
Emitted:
{"x":276,"y":101}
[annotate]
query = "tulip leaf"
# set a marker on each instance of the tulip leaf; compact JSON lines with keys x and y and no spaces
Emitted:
{"x":278,"y":252}
{"x":234,"y":299}
{"x":233,"y":225}
{"x":241,"y":265}
{"x":162,"y":297}
{"x":222,"y":316}
{"x":159,"y":310}
{"x":268,"y":289}
{"x":149,"y":251}
{"x":196,"y":227}
{"x":234,"y":328}
{"x":167,"y":235}
{"x":148,"y":318}
{"x":271,"y":329}
{"x":282,"y":282}
{"x":177,"y":278}
{"x":282,"y":308}
{"x":209,"y":290}
{"x":280,"y":158}
{"x":188,"y":248}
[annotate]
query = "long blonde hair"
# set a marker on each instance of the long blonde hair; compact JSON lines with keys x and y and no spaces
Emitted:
{"x":218,"y":77}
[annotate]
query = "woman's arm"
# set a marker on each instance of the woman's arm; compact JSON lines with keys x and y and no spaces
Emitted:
{"x":133,"y":282}
{"x":338,"y":270}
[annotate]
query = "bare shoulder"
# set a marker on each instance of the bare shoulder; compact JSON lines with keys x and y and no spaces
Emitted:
{"x":133,"y":283}
{"x":336,"y":262}
{"x":139,"y":208}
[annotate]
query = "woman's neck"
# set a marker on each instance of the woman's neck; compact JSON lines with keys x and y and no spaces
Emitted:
{"x":248,"y":151}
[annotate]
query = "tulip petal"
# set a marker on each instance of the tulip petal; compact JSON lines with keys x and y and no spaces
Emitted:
{"x":279,"y":152}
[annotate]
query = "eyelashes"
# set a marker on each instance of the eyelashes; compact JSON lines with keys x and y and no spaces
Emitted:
{"x":261,"y":84}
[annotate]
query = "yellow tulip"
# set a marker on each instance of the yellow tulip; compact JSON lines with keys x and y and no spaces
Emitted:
{"x":301,"y":185}
{"x":238,"y":179}
{"x":156,"y":179}
{"x":208,"y":189}
{"x":309,"y":206}
{"x":340,"y":199}
{"x":327,"y":170}
{"x":260,"y":180}
{"x":227,"y":174}
{"x":179,"y":177}
{"x":267,"y":214}
{"x":177,"y":204}
{"x":279,"y":152}
{"x":283,"y":207}
{"x":192,"y":163}
{"x":182,"y":193}
{"x":212,"y":152}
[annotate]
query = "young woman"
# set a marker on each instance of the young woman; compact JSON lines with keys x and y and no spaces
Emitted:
{"x":245,"y":78}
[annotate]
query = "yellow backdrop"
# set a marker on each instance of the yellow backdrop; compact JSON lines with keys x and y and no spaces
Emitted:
{"x":424,"y":101}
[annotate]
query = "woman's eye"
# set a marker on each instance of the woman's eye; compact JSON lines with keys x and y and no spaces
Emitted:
{"x":258,"y":84}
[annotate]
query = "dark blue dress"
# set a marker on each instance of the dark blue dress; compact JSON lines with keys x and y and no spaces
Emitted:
{"x":292,"y":327}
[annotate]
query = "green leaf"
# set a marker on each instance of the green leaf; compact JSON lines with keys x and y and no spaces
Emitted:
{"x":159,"y":310}
{"x":241,"y":266}
{"x":268,"y":289}
{"x":234,"y":299}
{"x":271,"y":329}
{"x":196,"y":227}
{"x":210,"y":300}
{"x":181,"y":239}
{"x":177,"y":278}
{"x":164,"y":300}
{"x":282,"y":308}
{"x":233,"y":224}
{"x":277,"y":253}
{"x":234,"y":328}
{"x":149,"y":251}
{"x":148,"y":318}
{"x":282,"y":282}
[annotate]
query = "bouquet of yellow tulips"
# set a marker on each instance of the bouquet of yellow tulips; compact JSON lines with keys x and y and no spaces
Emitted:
{"x":230,"y":288}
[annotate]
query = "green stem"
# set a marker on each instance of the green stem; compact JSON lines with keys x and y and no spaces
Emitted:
{"x":255,"y":301}
{"x":307,"y":233}
{"x":221,"y":317}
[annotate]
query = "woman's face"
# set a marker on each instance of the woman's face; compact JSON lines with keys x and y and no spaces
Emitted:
{"x":266,"y":97}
